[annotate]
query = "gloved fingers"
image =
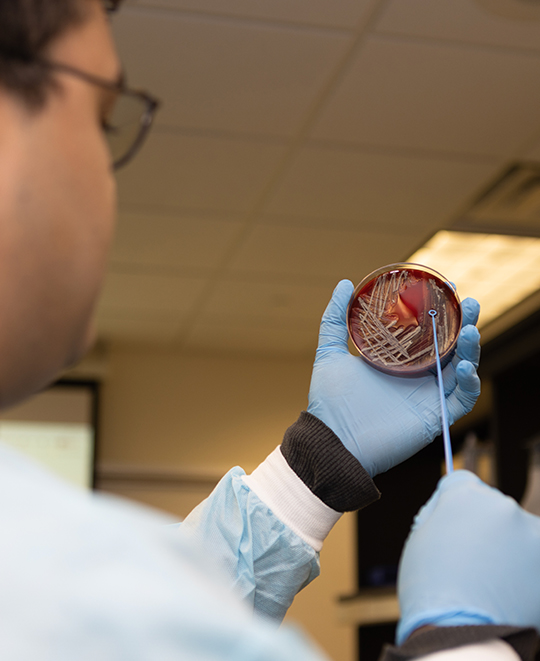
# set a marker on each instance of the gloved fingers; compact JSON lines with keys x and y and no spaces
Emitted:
{"x":333,"y":332}
{"x":467,"y":348}
{"x":470,"y":309}
{"x":467,"y":390}
{"x":447,"y":484}
{"x":468,"y":345}
{"x":461,"y":477}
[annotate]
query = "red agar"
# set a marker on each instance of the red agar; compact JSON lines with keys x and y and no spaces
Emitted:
{"x":389,"y":323}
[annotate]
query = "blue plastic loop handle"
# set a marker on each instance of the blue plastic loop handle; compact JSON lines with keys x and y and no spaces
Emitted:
{"x":444,"y":415}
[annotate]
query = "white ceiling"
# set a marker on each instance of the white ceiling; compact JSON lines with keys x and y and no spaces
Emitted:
{"x":301,"y":142}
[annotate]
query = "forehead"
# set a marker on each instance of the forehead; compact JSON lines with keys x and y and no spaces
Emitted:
{"x":89,"y":45}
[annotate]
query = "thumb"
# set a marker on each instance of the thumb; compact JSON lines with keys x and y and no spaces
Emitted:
{"x":451,"y":482}
{"x":333,"y":332}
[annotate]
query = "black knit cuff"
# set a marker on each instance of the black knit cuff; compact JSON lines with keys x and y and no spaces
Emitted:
{"x":326,"y":467}
{"x":524,"y":641}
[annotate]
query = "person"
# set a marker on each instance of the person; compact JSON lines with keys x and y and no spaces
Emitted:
{"x":85,"y":576}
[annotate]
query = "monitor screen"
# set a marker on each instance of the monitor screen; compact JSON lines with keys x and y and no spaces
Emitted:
{"x":56,"y":429}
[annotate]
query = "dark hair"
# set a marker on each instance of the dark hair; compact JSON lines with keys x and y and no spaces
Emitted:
{"x":27,"y":28}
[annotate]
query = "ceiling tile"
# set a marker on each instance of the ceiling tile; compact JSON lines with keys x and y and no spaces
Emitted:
{"x":177,"y":242}
{"x":435,"y":97}
{"x":166,"y":296}
{"x":213,"y":174}
{"x":223,"y":75}
{"x":338,"y":13}
{"x":323,"y":255}
{"x":462,"y":20}
{"x":371,"y":191}
{"x":264,"y":340}
{"x":261,"y":303}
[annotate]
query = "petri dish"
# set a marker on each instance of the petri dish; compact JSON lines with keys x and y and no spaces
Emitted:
{"x":389,"y":322}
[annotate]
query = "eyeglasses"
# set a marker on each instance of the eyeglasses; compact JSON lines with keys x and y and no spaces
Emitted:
{"x":128,"y":118}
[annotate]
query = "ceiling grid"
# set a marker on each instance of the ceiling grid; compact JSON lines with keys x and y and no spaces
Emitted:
{"x":299,"y":143}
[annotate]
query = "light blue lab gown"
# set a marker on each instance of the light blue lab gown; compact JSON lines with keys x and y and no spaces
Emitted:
{"x":86,"y":577}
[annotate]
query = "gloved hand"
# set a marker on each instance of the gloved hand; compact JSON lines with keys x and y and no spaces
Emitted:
{"x":382,"y":420}
{"x":472,"y":557}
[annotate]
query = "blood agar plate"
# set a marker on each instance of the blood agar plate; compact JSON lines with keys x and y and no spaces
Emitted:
{"x":389,"y":321}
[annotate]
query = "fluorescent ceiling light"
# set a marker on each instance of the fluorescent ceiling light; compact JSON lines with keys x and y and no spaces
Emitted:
{"x":499,"y":271}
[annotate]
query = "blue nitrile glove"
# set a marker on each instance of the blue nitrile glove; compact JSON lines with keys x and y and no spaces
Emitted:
{"x":382,"y":420}
{"x":472,"y":557}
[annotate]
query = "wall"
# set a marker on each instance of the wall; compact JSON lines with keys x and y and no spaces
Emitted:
{"x":172,"y":424}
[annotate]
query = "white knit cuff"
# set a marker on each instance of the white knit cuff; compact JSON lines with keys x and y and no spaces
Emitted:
{"x":493,"y":650}
{"x":279,"y":487}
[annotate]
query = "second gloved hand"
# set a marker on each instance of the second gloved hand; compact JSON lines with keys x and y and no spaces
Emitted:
{"x":472,"y":558}
{"x":382,"y":420}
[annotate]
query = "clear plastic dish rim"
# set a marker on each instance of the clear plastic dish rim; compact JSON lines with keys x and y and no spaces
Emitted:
{"x":430,"y":368}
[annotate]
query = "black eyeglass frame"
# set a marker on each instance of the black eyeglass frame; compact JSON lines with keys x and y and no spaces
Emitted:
{"x":147,"y":116}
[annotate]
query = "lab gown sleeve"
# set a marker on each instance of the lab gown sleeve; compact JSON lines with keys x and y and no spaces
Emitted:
{"x":266,"y":529}
{"x":91,"y":577}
